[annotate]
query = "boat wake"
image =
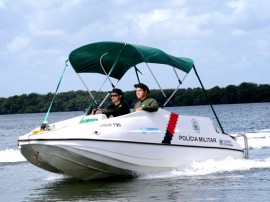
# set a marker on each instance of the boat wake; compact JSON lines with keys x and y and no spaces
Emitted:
{"x":10,"y":156}
{"x":256,"y":139}
{"x":213,"y":167}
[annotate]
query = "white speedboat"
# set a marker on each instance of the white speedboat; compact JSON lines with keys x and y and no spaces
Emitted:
{"x":94,"y":146}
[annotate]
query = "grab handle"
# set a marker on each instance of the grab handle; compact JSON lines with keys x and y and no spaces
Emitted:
{"x":246,"y":155}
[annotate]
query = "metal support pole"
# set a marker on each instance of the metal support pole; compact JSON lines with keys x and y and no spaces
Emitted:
{"x":208,"y":99}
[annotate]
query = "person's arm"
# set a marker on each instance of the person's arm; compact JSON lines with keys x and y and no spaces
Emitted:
{"x":96,"y":111}
{"x":119,"y":110}
{"x":137,"y":106}
{"x":151,"y":105}
{"x":109,"y":111}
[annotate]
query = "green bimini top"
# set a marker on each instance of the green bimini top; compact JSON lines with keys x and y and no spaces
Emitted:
{"x":117,"y":58}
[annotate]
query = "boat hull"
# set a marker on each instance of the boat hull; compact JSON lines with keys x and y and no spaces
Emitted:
{"x":96,"y":147}
{"x":92,"y":159}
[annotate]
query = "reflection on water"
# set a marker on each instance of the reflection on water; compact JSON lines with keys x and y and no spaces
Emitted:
{"x":217,"y":186}
{"x":109,"y":190}
{"x":71,"y":189}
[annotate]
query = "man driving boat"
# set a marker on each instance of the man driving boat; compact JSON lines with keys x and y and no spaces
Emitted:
{"x":119,"y":106}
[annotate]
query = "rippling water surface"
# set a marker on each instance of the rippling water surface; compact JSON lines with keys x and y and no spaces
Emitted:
{"x":226,"y":180}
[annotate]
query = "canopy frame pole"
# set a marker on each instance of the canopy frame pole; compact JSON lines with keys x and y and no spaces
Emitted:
{"x":99,"y":106}
{"x":208,"y":99}
{"x":180,"y":83}
{"x":113,"y":66}
{"x":108,"y":74}
{"x":171,"y":95}
{"x":106,"y":97}
{"x":178,"y":76}
{"x":91,"y":102}
{"x":104,"y":69}
{"x":107,"y":77}
{"x":136,"y":71}
{"x":86,"y":88}
{"x":156,"y":80}
{"x":54,"y":96}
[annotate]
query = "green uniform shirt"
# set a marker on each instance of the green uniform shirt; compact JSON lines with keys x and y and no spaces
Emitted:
{"x":149,"y":104}
{"x":116,"y":110}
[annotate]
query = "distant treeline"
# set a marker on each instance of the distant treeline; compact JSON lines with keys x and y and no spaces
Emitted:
{"x":78,"y":100}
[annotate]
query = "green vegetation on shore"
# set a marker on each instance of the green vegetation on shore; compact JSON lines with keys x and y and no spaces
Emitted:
{"x":78,"y":100}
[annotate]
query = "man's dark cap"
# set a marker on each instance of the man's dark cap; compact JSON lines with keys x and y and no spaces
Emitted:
{"x":116,"y":90}
{"x":142,"y":86}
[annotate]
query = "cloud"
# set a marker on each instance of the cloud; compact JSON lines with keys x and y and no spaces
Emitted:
{"x":36,"y":30}
{"x":263,"y":46}
{"x":249,"y":15}
{"x":220,"y":36}
{"x":2,"y":4}
{"x":18,"y":43}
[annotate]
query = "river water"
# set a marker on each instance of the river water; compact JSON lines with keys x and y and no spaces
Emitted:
{"x":226,"y":180}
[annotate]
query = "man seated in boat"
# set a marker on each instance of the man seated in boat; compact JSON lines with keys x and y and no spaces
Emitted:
{"x":145,"y":103}
{"x":119,"y":106}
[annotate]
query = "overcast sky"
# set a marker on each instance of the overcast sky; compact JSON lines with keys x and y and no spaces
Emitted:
{"x":229,"y":41}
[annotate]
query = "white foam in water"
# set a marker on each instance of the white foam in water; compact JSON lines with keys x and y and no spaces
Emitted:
{"x":54,"y":177}
{"x":227,"y":165}
{"x":11,"y":155}
{"x":211,"y":166}
{"x":256,"y":140}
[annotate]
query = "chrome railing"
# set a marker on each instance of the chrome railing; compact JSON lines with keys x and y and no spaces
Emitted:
{"x":246,"y":155}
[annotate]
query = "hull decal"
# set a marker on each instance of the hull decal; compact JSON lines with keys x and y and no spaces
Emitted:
{"x":170,"y":128}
